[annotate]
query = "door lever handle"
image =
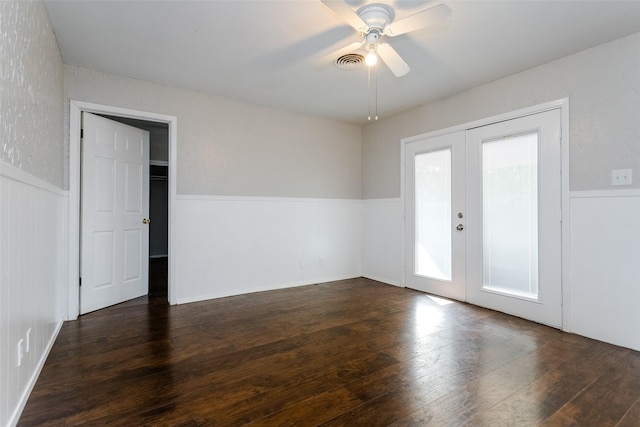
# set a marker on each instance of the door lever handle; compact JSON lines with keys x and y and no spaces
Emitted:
{"x":460,"y":227}
{"x":146,"y":221}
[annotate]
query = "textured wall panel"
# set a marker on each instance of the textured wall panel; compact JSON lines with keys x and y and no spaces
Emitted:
{"x":234,"y":245}
{"x":382,"y":229}
{"x":31,"y":274}
{"x":605,"y":266}
{"x":31,"y":92}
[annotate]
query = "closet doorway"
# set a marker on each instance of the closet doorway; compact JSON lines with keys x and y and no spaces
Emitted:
{"x":76,"y":109}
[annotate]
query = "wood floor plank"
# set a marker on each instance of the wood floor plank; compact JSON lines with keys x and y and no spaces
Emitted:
{"x":312,"y":411}
{"x":280,"y":398}
{"x":632,"y":417}
{"x":352,"y":352}
{"x":453,"y":409}
{"x":601,"y":403}
{"x":480,"y":394}
{"x":539,"y":400}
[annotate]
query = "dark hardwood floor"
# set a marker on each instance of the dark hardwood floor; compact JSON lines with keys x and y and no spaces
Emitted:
{"x":348,"y":353}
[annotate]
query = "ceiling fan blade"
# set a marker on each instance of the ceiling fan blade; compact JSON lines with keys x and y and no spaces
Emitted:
{"x":343,"y":10}
{"x":390,"y":57}
{"x":432,"y":17}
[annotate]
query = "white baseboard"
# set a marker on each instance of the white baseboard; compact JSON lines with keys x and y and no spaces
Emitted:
{"x":263,"y":289}
{"x":383,"y":280}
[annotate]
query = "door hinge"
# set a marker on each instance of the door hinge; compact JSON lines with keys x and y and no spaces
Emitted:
{"x":80,"y":281}
{"x":81,"y":133}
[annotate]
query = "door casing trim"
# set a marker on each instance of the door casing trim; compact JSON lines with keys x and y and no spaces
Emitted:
{"x":72,"y":301}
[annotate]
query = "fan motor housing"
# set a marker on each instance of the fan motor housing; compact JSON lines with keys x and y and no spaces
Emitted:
{"x":376,"y":15}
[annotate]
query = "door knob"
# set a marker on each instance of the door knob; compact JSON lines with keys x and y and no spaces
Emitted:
{"x":460,"y":227}
{"x":146,"y":221}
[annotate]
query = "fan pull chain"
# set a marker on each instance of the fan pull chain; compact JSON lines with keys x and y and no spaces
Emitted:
{"x":375,"y":77}
{"x":373,"y":92}
{"x":369,"y":90}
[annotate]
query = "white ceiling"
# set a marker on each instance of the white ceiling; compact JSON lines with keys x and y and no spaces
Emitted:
{"x":268,"y":51}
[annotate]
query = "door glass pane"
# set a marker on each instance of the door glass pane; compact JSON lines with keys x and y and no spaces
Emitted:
{"x":510,"y":215}
{"x":433,"y":214}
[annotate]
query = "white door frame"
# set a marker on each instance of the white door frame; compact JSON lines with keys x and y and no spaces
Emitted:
{"x":75,"y":111}
{"x":563,"y":105}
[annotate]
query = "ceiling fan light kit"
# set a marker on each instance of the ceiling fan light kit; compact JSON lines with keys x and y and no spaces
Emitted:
{"x":373,"y":22}
{"x":371,"y":57}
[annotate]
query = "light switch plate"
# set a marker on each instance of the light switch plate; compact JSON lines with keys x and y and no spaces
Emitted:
{"x":621,"y":177}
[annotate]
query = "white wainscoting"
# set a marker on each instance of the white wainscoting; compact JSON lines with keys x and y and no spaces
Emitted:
{"x":382,"y":240}
{"x":234,"y":245}
{"x":605,"y":266}
{"x":32,"y":263}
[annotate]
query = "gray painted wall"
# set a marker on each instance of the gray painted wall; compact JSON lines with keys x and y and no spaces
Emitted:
{"x":232,"y":148}
{"x":603,"y":87}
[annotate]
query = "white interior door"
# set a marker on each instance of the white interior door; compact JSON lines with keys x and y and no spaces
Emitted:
{"x":114,"y":263}
{"x":435,"y":215}
{"x":514,"y":222}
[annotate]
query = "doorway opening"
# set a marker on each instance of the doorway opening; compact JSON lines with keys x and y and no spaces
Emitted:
{"x":162,"y":267}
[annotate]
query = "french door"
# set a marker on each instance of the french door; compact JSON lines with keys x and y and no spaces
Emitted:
{"x":491,"y":233}
{"x":435,"y":185}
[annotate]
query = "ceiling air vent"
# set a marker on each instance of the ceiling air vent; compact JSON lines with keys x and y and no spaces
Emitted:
{"x":350,"y":61}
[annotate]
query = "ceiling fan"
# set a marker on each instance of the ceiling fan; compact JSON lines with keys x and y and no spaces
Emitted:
{"x":374,"y":21}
